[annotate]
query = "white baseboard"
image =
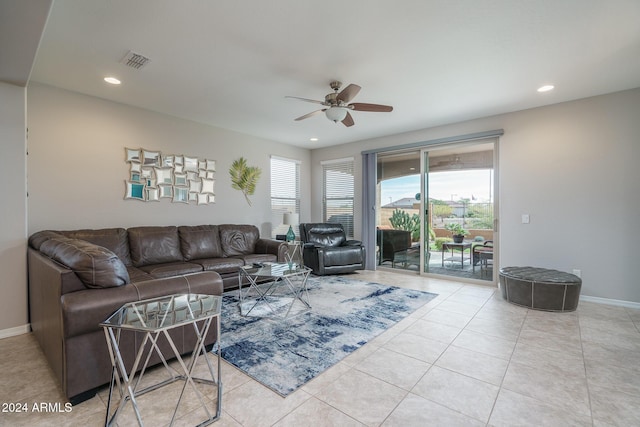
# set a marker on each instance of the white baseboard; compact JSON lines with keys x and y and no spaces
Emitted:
{"x":12,"y":332}
{"x":609,"y":301}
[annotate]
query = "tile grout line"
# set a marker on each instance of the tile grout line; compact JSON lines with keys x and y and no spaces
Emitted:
{"x":584,"y":364}
{"x":458,"y":373}
{"x":500,"y":387}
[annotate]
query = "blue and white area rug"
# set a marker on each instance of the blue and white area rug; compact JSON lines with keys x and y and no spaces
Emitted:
{"x":283,"y":354}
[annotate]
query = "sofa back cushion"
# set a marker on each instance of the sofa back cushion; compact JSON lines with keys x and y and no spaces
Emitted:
{"x":114,"y":239}
{"x":96,"y":266}
{"x":238,"y":239}
{"x":38,"y":238}
{"x":154,"y":245}
{"x":200,"y":242}
{"x":323,"y":234}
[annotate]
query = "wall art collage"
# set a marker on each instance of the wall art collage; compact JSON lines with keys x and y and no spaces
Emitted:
{"x":179,"y":178}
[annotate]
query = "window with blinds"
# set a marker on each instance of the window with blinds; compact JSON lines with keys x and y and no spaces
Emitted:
{"x":285,"y":192}
{"x":338,"y":193}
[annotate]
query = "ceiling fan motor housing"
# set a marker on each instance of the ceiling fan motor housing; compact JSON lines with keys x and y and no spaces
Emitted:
{"x":332,"y":99}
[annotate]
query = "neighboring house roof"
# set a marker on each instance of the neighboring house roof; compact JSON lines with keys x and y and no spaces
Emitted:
{"x":405,"y":202}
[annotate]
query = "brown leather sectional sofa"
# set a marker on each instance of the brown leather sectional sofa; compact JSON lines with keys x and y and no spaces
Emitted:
{"x":79,"y":278}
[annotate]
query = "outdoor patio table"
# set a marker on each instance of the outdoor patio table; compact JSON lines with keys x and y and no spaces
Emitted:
{"x":456,"y":247}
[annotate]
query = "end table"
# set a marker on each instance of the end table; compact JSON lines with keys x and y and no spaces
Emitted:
{"x":154,"y":318}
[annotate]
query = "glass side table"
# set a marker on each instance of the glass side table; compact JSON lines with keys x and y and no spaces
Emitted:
{"x":155,"y":318}
{"x":293,"y":255}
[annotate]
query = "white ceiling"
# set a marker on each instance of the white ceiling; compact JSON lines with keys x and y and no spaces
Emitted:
{"x":230,"y":63}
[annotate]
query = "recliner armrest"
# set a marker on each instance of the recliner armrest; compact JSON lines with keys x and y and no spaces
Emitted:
{"x":352,"y":243}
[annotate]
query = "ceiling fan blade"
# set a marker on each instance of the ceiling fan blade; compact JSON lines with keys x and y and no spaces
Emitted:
{"x":306,"y":99}
{"x":348,"y":93}
{"x":358,"y":106}
{"x":348,"y":120}
{"x":313,"y":113}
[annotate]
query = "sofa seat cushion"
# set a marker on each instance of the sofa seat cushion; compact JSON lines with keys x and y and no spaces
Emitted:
{"x":200,"y":241}
{"x":220,"y":265}
{"x":250,"y":259}
{"x":137,"y":275}
{"x":154,"y":245}
{"x":207,"y":282}
{"x":95,"y":266}
{"x":170,"y":269}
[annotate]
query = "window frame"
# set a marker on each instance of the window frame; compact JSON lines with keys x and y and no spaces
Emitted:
{"x":281,"y":202}
{"x":339,"y":190}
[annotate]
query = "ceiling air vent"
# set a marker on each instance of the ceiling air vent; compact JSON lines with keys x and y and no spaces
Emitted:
{"x":134,"y":60}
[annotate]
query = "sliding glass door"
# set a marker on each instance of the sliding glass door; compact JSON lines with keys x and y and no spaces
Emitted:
{"x":458,"y":224}
{"x":425,"y":198}
{"x":398,"y":207}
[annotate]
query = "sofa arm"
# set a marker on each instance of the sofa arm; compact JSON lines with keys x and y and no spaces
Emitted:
{"x":83,"y":311}
{"x":48,"y":281}
{"x":270,"y":246}
{"x":353,"y":243}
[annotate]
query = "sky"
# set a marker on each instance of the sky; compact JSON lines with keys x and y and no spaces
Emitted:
{"x":449,"y":185}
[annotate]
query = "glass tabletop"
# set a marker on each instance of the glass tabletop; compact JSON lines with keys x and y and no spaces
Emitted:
{"x":164,"y":312}
{"x":275,"y":269}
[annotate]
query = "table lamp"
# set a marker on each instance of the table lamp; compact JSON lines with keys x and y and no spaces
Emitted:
{"x":290,"y":219}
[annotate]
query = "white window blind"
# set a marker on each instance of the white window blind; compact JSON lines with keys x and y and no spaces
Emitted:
{"x":338,"y":188}
{"x":285,"y":192}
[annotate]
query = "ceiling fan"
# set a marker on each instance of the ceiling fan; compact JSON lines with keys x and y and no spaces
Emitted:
{"x":337,"y":104}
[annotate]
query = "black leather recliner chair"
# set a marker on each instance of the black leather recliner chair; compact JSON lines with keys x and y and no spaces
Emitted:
{"x":326,"y":249}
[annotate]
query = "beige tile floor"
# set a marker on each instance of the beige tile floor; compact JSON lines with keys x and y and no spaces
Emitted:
{"x":466,"y":358}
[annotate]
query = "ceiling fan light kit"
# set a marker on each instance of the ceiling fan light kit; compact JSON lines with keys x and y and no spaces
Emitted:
{"x":336,"y":114}
{"x":338,"y":104}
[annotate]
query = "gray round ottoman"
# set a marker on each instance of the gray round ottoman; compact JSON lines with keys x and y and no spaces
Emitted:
{"x":540,"y":288}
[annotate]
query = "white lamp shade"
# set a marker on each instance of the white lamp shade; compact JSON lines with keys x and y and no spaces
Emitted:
{"x":290,"y":219}
{"x":336,"y":114}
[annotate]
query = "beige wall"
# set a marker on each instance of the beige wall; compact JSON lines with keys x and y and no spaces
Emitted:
{"x":573,"y":167}
{"x":570,"y":166}
{"x":77,"y":168}
{"x":13,"y":228}
{"x":76,"y":174}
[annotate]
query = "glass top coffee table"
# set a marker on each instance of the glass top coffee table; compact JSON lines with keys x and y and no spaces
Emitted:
{"x":154,"y":318}
{"x":274,"y":289}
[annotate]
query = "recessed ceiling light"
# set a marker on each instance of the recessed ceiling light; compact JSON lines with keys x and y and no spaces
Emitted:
{"x":313,"y":139}
{"x":545,"y":88}
{"x":112,"y":80}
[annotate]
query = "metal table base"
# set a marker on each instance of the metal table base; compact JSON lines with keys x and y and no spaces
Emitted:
{"x":127,"y":384}
{"x":276,"y":275}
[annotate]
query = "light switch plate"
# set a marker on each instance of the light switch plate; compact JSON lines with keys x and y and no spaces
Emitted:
{"x":525,"y":218}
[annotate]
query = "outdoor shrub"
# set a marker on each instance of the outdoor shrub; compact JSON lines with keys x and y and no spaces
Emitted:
{"x":401,"y":220}
{"x":481,"y":223}
{"x":440,"y":240}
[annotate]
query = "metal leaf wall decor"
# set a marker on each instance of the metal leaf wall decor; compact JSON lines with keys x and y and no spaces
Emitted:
{"x":244,"y":177}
